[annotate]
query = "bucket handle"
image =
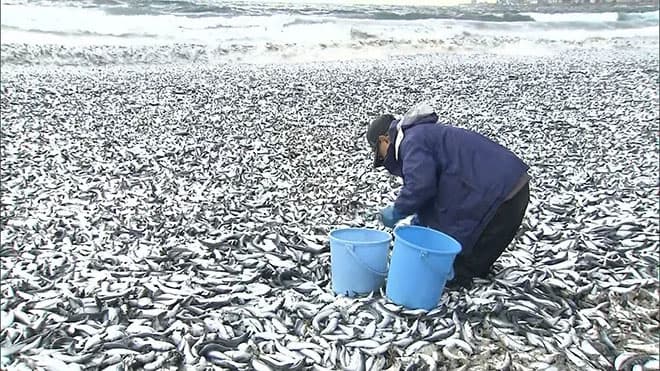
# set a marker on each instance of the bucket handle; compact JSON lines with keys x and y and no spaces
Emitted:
{"x":450,"y":276}
{"x":351,"y":250}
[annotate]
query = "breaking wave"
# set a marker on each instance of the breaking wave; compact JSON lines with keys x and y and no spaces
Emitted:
{"x":96,"y":31}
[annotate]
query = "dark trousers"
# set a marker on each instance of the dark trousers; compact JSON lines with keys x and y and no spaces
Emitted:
{"x":494,"y":239}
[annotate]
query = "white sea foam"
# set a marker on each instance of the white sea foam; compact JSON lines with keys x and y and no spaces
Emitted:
{"x":309,"y":30}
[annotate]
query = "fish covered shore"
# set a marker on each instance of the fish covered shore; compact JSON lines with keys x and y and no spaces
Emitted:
{"x":177,"y":217}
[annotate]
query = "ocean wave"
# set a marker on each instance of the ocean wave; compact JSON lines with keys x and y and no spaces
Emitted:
{"x":606,"y":19}
{"x":584,"y":26}
{"x":311,"y":14}
{"x":639,"y":17}
{"x":564,"y":18}
{"x":300,"y":22}
{"x":221,"y":26}
{"x":413,"y":16}
{"x":82,"y":33}
{"x":375,"y":12}
{"x":160,"y":7}
{"x":108,"y":2}
{"x":86,"y":24}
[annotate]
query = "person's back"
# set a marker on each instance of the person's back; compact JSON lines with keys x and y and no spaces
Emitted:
{"x":474,"y":176}
{"x":455,"y":180}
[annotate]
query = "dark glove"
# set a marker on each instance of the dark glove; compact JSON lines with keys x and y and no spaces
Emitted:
{"x":390,"y":216}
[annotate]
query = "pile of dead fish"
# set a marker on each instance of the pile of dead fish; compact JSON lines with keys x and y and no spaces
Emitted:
{"x":177,"y":218}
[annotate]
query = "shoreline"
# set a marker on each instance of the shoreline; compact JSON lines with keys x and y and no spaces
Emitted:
{"x":608,"y":49}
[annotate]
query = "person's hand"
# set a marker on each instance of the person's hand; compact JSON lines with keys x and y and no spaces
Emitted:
{"x":390,"y":216}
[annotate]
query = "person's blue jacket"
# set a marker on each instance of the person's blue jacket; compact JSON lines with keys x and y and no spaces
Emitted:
{"x":454,"y":179}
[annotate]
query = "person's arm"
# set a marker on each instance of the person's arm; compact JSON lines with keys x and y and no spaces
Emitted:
{"x":420,"y":178}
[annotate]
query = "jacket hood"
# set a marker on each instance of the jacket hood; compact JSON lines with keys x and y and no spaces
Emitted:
{"x":421,"y":113}
{"x":418,"y":115}
{"x":410,"y":121}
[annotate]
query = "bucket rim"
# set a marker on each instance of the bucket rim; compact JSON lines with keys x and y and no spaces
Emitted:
{"x":397,"y":229}
{"x":385,"y":234}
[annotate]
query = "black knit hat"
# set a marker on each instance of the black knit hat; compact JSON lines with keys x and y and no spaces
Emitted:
{"x":379,"y":126}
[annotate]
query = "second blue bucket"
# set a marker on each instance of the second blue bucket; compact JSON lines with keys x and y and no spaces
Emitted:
{"x":358,"y":260}
{"x":422,"y":262}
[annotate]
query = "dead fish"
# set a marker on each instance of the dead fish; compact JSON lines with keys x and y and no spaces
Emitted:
{"x":123,"y":234}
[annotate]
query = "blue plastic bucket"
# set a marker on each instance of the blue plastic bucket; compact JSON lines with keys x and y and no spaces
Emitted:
{"x":422,"y":262}
{"x":358,"y":260}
